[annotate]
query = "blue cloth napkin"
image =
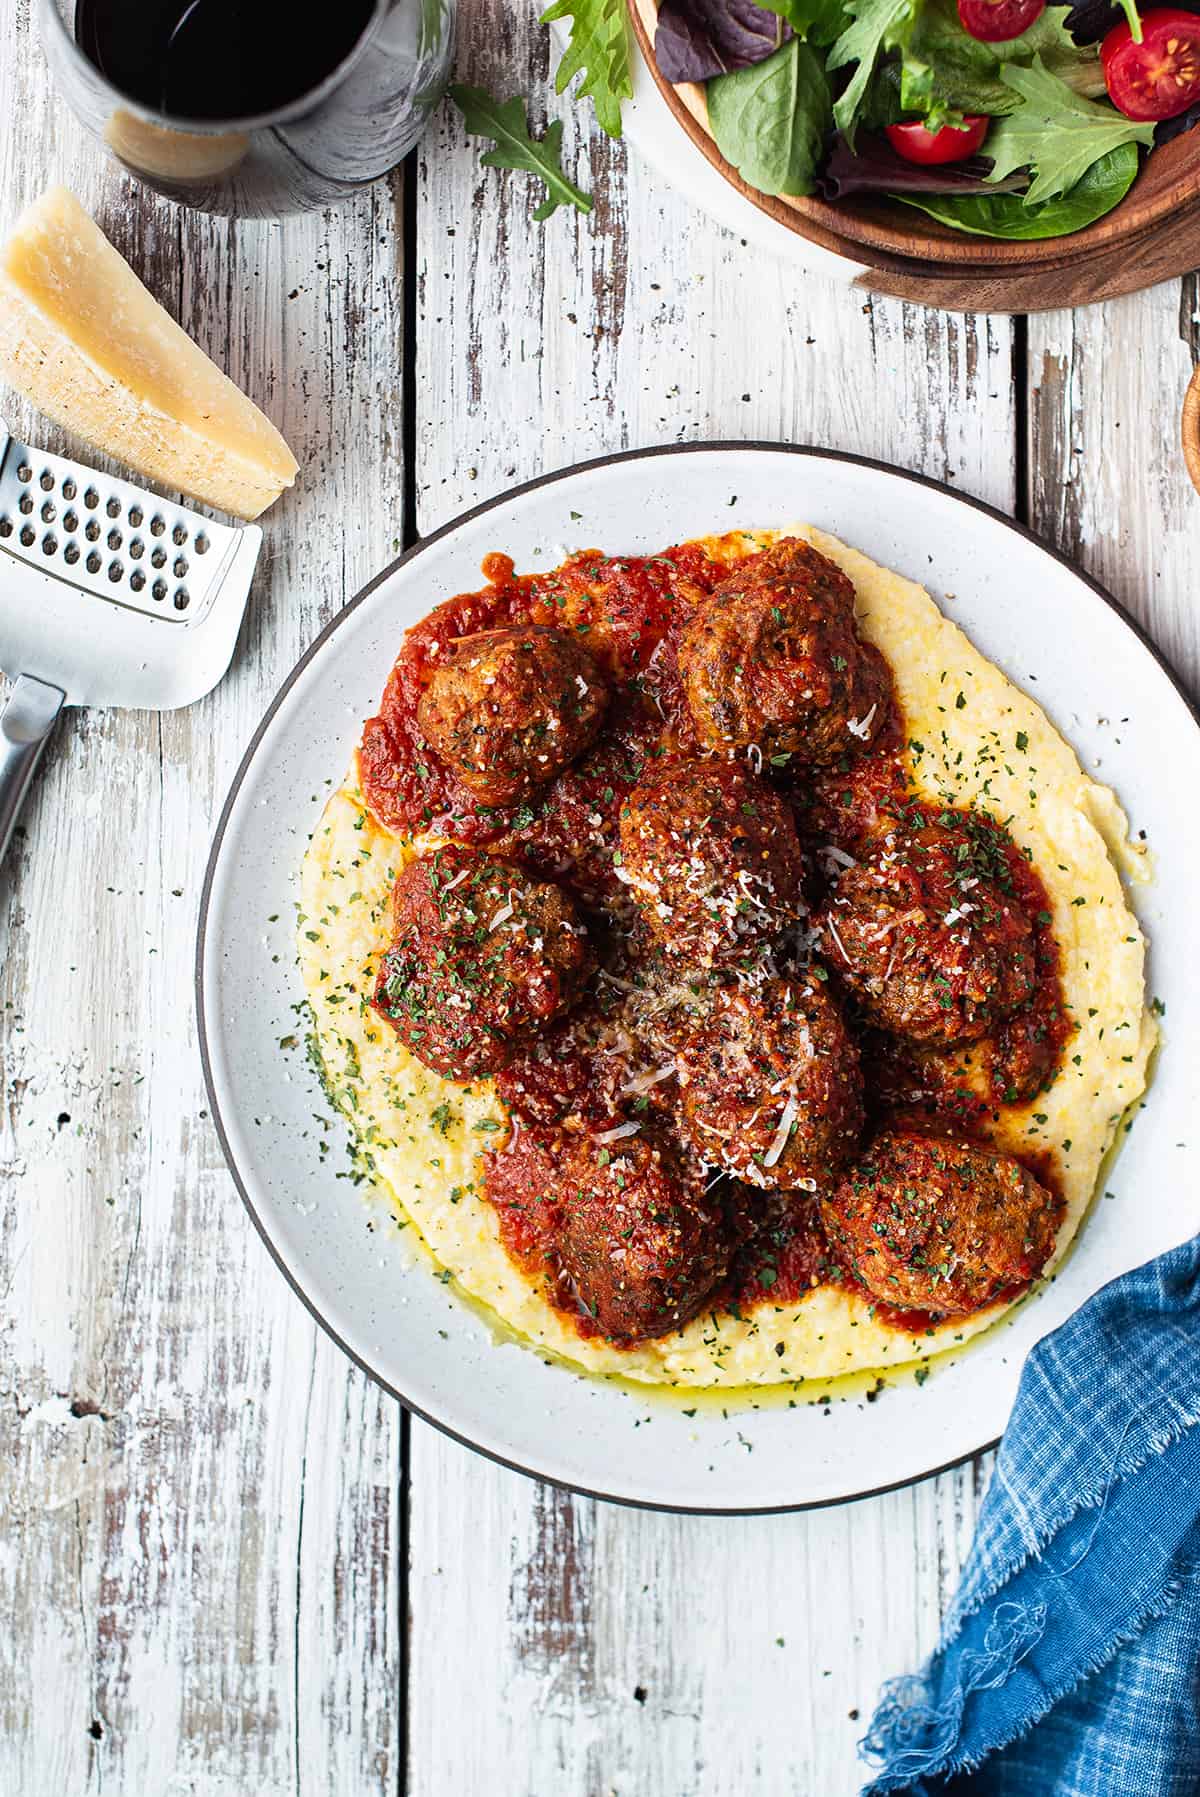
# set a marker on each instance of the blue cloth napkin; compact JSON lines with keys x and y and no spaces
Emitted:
{"x":1069,"y":1663}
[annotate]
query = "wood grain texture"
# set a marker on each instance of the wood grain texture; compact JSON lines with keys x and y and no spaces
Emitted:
{"x":199,"y":1553}
{"x":614,"y":1650}
{"x":1108,"y":480}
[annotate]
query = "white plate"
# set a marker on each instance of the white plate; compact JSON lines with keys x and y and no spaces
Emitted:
{"x":1045,"y":624}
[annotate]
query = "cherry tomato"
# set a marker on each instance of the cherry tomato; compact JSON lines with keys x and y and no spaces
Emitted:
{"x":995,"y":21}
{"x":951,"y":144}
{"x":1159,"y":77}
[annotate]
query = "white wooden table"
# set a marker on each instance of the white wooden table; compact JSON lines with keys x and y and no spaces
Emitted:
{"x":229,"y":1564}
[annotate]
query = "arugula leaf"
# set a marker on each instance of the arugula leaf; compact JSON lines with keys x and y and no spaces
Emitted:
{"x":504,"y":122}
{"x":771,"y":121}
{"x":877,"y":25}
{"x":1056,"y":132}
{"x":1105,"y":183}
{"x":599,"y":46}
{"x":946,"y":72}
{"x":816,"y":21}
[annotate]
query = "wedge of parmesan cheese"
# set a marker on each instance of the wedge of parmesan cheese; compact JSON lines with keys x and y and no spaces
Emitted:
{"x":85,"y":342}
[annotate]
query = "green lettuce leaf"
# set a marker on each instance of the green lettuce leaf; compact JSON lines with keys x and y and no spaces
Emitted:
{"x":1105,"y":183}
{"x":504,"y":122}
{"x":771,"y":121}
{"x":599,"y":47}
{"x":876,"y":27}
{"x":1056,"y":132}
{"x":816,"y":21}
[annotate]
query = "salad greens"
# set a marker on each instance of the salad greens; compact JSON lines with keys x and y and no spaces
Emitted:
{"x":1056,"y":133}
{"x":771,"y":121}
{"x":810,"y":96}
{"x":1009,"y":215}
{"x":876,"y":27}
{"x":945,"y":73}
{"x":599,"y":48}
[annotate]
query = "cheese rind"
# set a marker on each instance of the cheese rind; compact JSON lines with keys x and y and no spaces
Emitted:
{"x":82,"y":339}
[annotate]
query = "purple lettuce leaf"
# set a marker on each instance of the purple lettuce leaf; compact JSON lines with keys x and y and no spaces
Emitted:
{"x":697,"y":39}
{"x":1090,"y":20}
{"x":874,"y":167}
{"x":1166,"y":129}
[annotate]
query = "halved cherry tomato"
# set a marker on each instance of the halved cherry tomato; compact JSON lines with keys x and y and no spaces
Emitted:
{"x":1159,"y":77}
{"x":951,"y":144}
{"x":995,"y":21}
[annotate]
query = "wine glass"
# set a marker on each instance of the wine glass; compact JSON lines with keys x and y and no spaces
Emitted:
{"x":334,"y":108}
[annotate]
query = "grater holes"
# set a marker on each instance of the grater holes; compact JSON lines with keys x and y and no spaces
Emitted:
{"x":27,"y":536}
{"x":25,"y":503}
{"x":182,"y":599}
{"x":137,"y":580}
{"x":115,"y":539}
{"x":158,"y":558}
{"x":113,"y":508}
{"x":6,"y":528}
{"x":116,"y":571}
{"x":201,"y":544}
{"x":25,"y":473}
{"x":92,"y":563}
{"x":135,"y":516}
{"x":159,"y":589}
{"x":69,"y":489}
{"x":180,"y":567}
{"x":49,"y":512}
{"x":71,"y":553}
{"x":91,"y":531}
{"x":137,"y":548}
{"x":179,"y":536}
{"x":46,"y":483}
{"x":70,"y":521}
{"x":91,"y":499}
{"x":157,"y":526}
{"x":49,"y":543}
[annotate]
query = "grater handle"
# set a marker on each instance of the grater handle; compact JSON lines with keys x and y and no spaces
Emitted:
{"x":25,"y":724}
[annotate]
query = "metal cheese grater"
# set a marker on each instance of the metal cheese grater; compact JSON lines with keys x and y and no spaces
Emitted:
{"x":108,"y":596}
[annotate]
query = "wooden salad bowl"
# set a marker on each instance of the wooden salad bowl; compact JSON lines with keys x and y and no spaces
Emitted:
{"x":1152,"y":233}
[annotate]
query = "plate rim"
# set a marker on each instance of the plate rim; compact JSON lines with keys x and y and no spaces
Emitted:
{"x":499,"y":499}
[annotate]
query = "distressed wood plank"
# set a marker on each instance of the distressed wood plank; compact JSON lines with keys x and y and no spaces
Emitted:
{"x":1108,"y":481}
{"x":199,"y":1559}
{"x":613,"y":1650}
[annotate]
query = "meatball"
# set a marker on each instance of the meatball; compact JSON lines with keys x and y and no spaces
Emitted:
{"x":642,"y":1243}
{"x":511,"y":708}
{"x":711,"y":855}
{"x":771,"y":1085}
{"x":935,"y":1224}
{"x":772,"y":658}
{"x":482,"y":955}
{"x":927,"y":937}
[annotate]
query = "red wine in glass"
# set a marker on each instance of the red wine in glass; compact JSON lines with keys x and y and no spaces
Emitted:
{"x":252,"y":107}
{"x":217,"y":59}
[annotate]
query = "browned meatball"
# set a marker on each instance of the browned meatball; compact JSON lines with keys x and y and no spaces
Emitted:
{"x":642,"y":1243}
{"x":927,"y":936}
{"x":711,"y":855}
{"x":773,"y":658}
{"x":934,"y":1224}
{"x":511,"y":708}
{"x":771,"y":1085}
{"x":481,"y":956}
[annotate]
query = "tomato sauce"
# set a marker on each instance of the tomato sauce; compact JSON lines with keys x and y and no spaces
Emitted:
{"x":630,"y":612}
